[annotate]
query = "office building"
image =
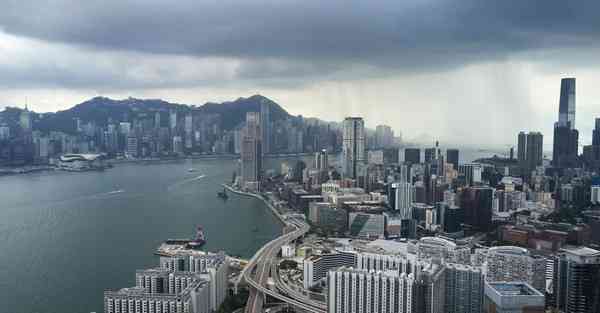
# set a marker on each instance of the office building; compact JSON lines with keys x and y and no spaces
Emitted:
{"x":464,"y":289}
{"x":353,"y":148}
{"x":576,"y":276}
{"x":412,"y":155}
{"x":472,"y":173}
{"x":391,"y":156}
{"x":595,"y":194}
{"x":327,"y":216}
{"x":322,"y":160}
{"x":477,"y":203}
{"x":454,"y":217}
{"x":173,"y":120}
{"x":384,"y":136}
{"x":266,"y":129}
{"x":534,"y":153}
{"x":452,"y":157}
{"x":366,"y":225}
{"x":515,"y":264}
{"x":566,"y":109}
{"x":566,"y":137}
{"x":522,"y":149}
{"x":512,"y":297}
{"x":251,"y":151}
{"x":402,"y":198}
{"x":596,"y":133}
{"x":132,"y":147}
{"x":430,"y":154}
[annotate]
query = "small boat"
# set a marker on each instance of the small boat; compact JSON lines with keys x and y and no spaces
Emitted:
{"x":191,"y":170}
{"x":223,"y":194}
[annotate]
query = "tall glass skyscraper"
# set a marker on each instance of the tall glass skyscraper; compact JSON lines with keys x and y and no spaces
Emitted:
{"x":566,"y":137}
{"x":566,"y":110}
{"x":353,"y":149}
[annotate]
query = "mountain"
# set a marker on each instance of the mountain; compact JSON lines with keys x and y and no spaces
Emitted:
{"x":101,"y":109}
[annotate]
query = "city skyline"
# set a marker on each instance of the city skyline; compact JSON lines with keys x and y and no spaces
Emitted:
{"x":493,"y":64}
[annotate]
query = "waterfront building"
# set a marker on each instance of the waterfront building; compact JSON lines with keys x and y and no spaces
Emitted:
{"x":576,"y":276}
{"x":251,"y":151}
{"x":464,"y":288}
{"x":512,"y":297}
{"x":515,"y":264}
{"x":213,"y":267}
{"x":353,"y":148}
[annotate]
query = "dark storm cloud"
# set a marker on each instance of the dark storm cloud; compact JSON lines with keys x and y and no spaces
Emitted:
{"x":392,"y":33}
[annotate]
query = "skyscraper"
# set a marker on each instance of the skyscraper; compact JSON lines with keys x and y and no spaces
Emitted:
{"x":596,"y":133}
{"x":412,"y":155}
{"x":384,"y":136}
{"x":535,"y":146}
{"x":265,"y":119}
{"x":403,"y":198}
{"x":452,"y":157}
{"x":477,"y":205}
{"x":566,"y":109}
{"x":464,"y":289}
{"x":251,"y":152}
{"x":566,"y":137}
{"x":576,"y":276}
{"x":353,"y":149}
{"x":522,"y":149}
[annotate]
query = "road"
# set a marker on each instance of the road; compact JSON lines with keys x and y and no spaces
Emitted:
{"x":264,"y":265}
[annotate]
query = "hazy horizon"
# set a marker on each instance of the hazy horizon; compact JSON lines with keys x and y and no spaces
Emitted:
{"x":473,"y":71}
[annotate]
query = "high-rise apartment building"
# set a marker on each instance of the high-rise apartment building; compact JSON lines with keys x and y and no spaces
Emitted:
{"x":515,"y":264}
{"x":353,"y":148}
{"x":464,"y":289}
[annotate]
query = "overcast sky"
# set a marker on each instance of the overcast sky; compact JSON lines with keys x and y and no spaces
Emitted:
{"x":467,"y":71}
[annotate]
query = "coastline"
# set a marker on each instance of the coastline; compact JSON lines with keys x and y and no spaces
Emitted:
{"x":280,"y":217}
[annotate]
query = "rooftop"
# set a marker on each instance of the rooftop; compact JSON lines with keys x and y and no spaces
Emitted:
{"x":514,"y":289}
